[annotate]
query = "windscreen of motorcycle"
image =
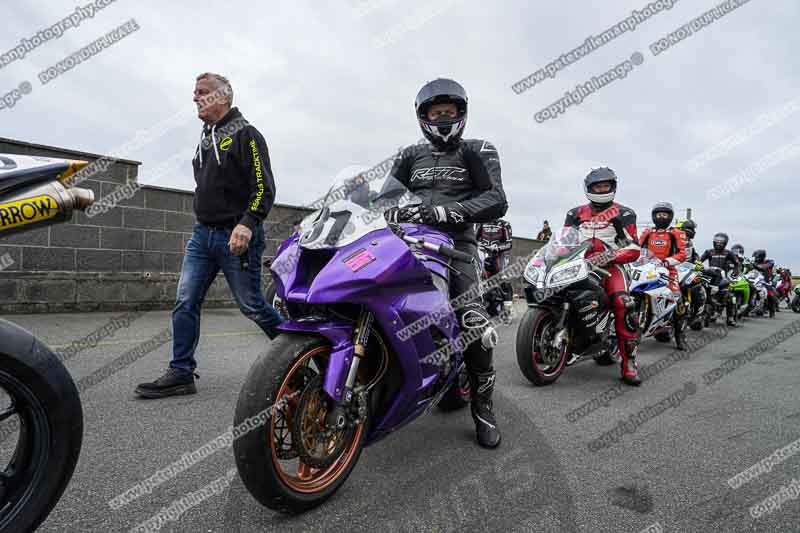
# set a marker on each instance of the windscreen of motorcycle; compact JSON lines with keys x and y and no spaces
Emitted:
{"x":352,"y":208}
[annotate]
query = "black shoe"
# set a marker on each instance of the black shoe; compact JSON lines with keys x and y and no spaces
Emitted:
{"x":174,"y":382}
{"x":731,"y":324}
{"x":485,"y":423}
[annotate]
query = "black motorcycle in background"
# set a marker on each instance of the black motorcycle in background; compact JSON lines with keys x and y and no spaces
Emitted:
{"x":41,"y":420}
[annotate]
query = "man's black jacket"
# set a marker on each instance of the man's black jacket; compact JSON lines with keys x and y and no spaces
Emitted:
{"x":233,"y":174}
{"x":468,"y":174}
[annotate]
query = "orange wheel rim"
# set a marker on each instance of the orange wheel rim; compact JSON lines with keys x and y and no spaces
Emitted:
{"x":302,"y":477}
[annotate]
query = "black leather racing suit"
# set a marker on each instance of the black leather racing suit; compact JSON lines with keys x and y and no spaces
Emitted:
{"x":728,"y":262}
{"x":467,"y":174}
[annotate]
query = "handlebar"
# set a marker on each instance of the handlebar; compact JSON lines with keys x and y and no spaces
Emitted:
{"x":446,"y":251}
{"x":599,"y":270}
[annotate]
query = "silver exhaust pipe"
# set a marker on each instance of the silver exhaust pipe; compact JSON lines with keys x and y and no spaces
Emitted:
{"x":44,"y":204}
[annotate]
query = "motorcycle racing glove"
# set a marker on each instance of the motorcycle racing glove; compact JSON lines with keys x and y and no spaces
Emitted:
{"x":427,"y":214}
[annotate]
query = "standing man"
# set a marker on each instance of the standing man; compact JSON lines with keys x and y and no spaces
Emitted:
{"x":544,"y":235}
{"x":235,"y":191}
{"x":459,"y":183}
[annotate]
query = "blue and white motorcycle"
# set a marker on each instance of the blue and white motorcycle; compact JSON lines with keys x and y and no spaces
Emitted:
{"x":656,"y":304}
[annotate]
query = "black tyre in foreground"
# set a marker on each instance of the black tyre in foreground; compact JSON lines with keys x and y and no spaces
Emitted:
{"x":41,"y":422}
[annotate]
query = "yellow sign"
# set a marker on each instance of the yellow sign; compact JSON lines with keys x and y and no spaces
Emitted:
{"x":27,"y":211}
{"x":225,"y":143}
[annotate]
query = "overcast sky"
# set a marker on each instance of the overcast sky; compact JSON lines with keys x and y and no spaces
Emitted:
{"x":311,"y":77}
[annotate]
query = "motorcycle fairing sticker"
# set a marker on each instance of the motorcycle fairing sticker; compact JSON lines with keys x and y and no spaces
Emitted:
{"x":27,"y":211}
{"x":359,"y":259}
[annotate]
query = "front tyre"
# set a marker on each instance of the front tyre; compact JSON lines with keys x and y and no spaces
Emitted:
{"x":293,"y":461}
{"x":41,"y":421}
{"x":538,"y":359}
{"x":796,"y":304}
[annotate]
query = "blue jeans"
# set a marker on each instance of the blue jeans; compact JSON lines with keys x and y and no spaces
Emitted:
{"x":207,"y":253}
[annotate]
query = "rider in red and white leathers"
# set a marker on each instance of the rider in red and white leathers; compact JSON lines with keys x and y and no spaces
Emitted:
{"x":612,"y":229}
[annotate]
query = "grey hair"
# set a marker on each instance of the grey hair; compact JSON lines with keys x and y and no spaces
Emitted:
{"x":220,"y":83}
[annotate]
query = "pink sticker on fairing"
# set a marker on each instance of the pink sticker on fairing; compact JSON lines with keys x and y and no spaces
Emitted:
{"x":359,"y":260}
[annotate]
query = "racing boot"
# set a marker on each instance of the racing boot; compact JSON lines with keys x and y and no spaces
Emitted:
{"x":486,"y":431}
{"x":630,"y":370}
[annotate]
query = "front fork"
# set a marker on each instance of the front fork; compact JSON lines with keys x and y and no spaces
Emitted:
{"x":350,"y":392}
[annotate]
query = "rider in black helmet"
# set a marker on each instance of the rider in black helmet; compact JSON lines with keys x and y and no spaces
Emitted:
{"x":459,"y":183}
{"x":719,"y":256}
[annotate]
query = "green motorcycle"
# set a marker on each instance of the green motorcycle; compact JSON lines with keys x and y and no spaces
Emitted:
{"x":740,"y":294}
{"x":796,"y":300}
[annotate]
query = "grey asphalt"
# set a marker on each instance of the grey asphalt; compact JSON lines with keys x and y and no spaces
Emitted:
{"x":430,"y":475}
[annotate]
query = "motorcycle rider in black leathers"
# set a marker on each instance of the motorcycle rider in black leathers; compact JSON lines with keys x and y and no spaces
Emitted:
{"x":767,"y":269}
{"x":762,"y":264}
{"x":494,"y":239}
{"x":459,"y":183}
{"x":721,"y":257}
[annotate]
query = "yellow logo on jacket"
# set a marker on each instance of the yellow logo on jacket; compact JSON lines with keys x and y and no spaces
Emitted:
{"x":225,"y":143}
{"x":27,"y":211}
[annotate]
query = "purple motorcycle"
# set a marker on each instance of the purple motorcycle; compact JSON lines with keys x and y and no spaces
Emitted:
{"x":371,"y":342}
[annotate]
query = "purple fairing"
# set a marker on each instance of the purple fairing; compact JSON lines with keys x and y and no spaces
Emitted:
{"x":380,"y":272}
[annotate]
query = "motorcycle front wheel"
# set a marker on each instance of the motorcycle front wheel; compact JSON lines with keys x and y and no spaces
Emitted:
{"x":796,"y":304}
{"x":539,"y":361}
{"x":294,"y":459}
{"x":41,"y":429}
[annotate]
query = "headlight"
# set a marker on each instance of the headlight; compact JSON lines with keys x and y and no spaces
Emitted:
{"x":565,"y":274}
{"x":531,"y":274}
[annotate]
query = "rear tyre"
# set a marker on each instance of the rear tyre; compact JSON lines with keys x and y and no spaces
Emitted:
{"x":538,"y":360}
{"x":282,"y":393}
